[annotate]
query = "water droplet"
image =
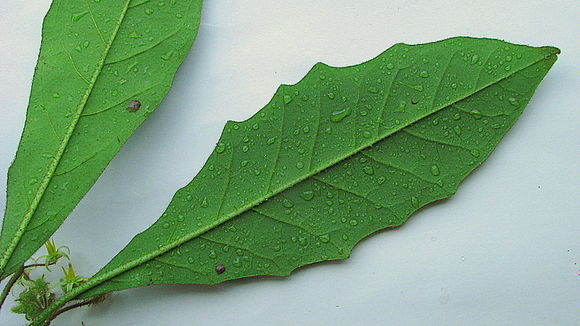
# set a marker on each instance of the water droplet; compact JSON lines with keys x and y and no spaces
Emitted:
{"x":287,"y":203}
{"x":353,"y":222}
{"x":271,"y":140}
{"x":402,"y":106}
{"x":368,"y":170}
{"x":212,"y":254}
{"x":149,"y":12}
{"x":414,"y":201}
{"x":373,"y":90}
{"x":474,"y":59}
{"x":76,"y":17}
{"x":435,"y":170}
{"x":204,"y":203}
{"x":344,"y":237}
{"x":325,"y":238}
{"x":167,"y":56}
{"x":424,"y":74}
{"x":255,"y":126}
{"x":390,"y":66}
{"x":245,"y":148}
{"x":220,"y":148}
{"x":244,"y":162}
{"x":381,"y":180}
{"x":287,"y":99}
{"x":307,"y":195}
{"x":339,"y":115}
{"x":476,"y":114}
{"x":474,"y":153}
{"x":300,"y":165}
{"x":165,"y":225}
{"x":513,"y":101}
{"x":457,"y":130}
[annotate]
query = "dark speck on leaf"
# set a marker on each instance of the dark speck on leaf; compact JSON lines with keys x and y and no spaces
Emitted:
{"x":220,"y":269}
{"x":133,"y":106}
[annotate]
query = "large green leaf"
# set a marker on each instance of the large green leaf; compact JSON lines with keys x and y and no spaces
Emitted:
{"x":332,"y":159}
{"x":97,"y":59}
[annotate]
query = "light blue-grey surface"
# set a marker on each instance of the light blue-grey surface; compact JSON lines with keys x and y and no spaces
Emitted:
{"x":503,"y":251}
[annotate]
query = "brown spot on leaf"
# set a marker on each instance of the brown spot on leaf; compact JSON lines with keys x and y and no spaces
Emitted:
{"x":220,"y":269}
{"x":133,"y":106}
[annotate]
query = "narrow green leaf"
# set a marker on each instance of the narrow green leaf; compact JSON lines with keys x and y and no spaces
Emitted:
{"x":332,"y":159}
{"x":103,"y":67}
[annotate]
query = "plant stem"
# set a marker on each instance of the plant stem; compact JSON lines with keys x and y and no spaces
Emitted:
{"x":36,"y":265}
{"x":10,"y":284}
{"x":70,"y":307}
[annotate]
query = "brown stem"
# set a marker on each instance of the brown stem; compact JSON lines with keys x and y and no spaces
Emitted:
{"x":37,"y":265}
{"x":70,"y":307}
{"x":10,"y":284}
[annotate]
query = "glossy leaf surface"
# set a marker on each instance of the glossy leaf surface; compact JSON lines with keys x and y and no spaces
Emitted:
{"x":103,"y":67}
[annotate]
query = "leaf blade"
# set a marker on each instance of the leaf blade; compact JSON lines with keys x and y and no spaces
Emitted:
{"x":94,"y":60}
{"x":275,"y":235}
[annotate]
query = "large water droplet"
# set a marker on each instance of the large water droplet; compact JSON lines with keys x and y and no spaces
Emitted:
{"x":307,"y":195}
{"x":339,"y":115}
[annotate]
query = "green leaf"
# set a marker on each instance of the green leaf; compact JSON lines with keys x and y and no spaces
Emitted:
{"x":332,"y":159}
{"x":103,"y":67}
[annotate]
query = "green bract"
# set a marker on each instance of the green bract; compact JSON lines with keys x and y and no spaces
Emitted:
{"x":343,"y":153}
{"x":103,"y":67}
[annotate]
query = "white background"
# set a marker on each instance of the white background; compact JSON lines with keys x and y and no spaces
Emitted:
{"x":503,"y":251}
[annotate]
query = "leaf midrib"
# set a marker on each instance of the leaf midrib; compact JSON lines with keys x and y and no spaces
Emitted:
{"x":93,"y":282}
{"x":63,"y":145}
